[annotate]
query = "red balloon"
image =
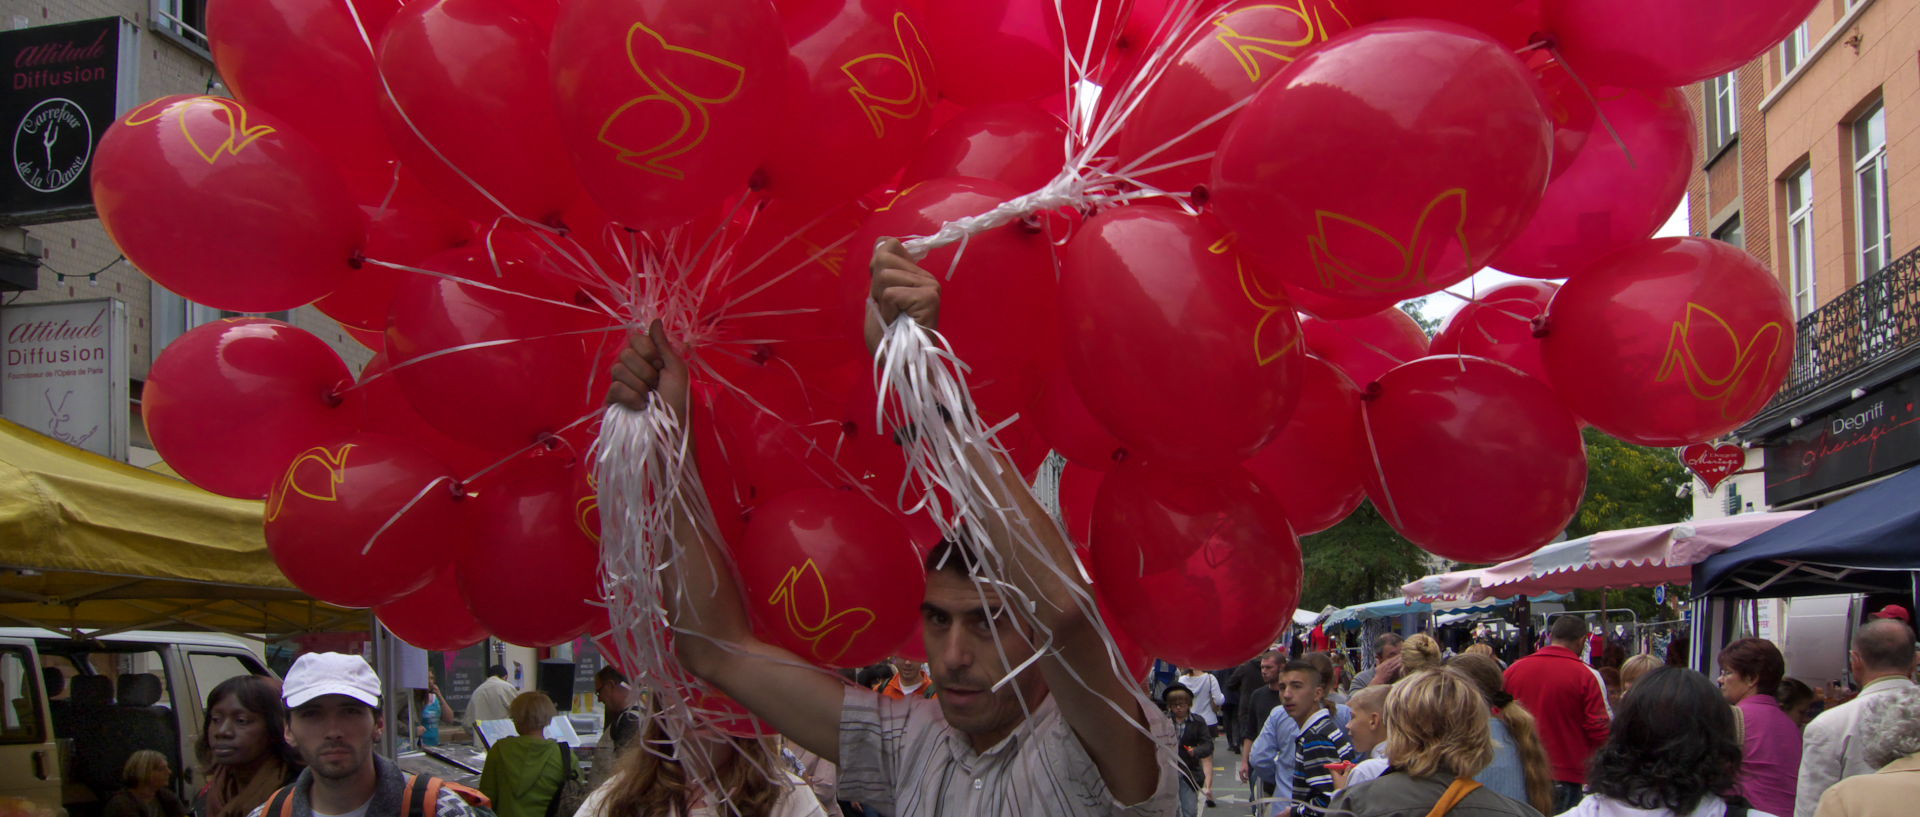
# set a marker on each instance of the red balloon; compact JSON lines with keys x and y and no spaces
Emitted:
{"x":552,"y":372}
{"x":1234,"y":53}
{"x":531,"y":574}
{"x":667,"y":106}
{"x":1012,"y":50}
{"x":1567,"y":107}
{"x":1018,"y":144}
{"x":783,"y":292}
{"x":1660,"y":44}
{"x":1366,"y":347}
{"x":1337,"y":309}
{"x":1498,"y":325}
{"x":384,"y":409}
{"x":1607,"y":200}
{"x":230,"y":402}
{"x":1079,"y":486}
{"x":310,"y":65}
{"x":993,"y":333}
{"x":455,"y":64}
{"x":1317,"y":463}
{"x":859,"y":98}
{"x":363,"y":520}
{"x":831,"y":576}
{"x":225,"y":205}
{"x":1171,"y":548}
{"x":1395,"y":181}
{"x":1476,"y":461}
{"x":435,"y":617}
{"x":403,"y":228}
{"x":1513,"y":22}
{"x":1065,"y":423}
{"x":1184,"y":353}
{"x":1671,"y":341}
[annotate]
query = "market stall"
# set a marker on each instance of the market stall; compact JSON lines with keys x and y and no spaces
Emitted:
{"x":1634,"y":557}
{"x":91,"y":543}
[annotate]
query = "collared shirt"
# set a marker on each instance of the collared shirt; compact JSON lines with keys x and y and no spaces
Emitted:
{"x":1319,"y":742}
{"x":1273,"y":753}
{"x":1832,"y":749}
{"x":902,"y":758}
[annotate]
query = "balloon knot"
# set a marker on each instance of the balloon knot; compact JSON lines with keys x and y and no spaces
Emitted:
{"x":1119,"y":455}
{"x":757,"y":181}
{"x":1371,"y":391}
{"x":849,"y":428}
{"x":1201,"y":195}
{"x":358,"y":260}
{"x":1540,"y":326}
{"x":762,"y":354}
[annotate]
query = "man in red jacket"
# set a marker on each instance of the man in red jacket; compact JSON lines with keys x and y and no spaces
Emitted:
{"x":1569,"y":703}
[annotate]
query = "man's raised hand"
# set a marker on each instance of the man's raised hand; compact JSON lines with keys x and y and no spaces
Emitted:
{"x":900,"y":285}
{"x":649,"y":366}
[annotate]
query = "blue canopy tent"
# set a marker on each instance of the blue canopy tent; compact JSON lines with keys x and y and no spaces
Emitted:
{"x":1394,"y":608}
{"x":1866,"y":543}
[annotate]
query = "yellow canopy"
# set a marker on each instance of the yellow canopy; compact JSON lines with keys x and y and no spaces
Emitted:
{"x":90,"y":542}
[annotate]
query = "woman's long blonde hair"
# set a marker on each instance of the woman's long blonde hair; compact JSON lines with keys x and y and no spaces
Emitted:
{"x":1484,"y":672}
{"x":1437,"y":725}
{"x":652,"y":782}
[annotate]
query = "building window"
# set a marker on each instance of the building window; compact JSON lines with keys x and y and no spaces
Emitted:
{"x":184,"y":22}
{"x":1723,"y":112}
{"x":1730,"y":232}
{"x":1793,"y":50}
{"x":1870,"y":190}
{"x":1799,"y":196}
{"x":1734,"y":499}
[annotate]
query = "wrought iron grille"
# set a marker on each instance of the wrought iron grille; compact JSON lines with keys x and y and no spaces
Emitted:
{"x":1873,"y":321}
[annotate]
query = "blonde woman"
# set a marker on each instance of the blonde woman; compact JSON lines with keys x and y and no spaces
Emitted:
{"x":1520,"y":769}
{"x":748,"y":780}
{"x":147,"y":794}
{"x":1437,"y":739}
{"x":1418,"y":653}
{"x":525,"y":772}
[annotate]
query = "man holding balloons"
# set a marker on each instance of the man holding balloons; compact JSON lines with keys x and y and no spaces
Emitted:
{"x":1067,"y":734}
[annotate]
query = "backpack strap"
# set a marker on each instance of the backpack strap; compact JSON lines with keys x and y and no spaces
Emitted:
{"x":279,"y":804}
{"x":567,"y":770}
{"x":1461,"y":787}
{"x":421,"y":795}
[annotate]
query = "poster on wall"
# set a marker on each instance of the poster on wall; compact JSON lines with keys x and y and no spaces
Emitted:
{"x":63,"y":372}
{"x":464,"y":672}
{"x":65,"y":84}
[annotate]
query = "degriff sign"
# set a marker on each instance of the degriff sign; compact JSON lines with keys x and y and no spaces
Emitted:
{"x":1868,"y":437}
{"x":65,"y":84}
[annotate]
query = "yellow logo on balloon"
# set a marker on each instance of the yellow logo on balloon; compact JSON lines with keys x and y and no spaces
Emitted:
{"x":316,"y":474}
{"x":912,"y":60}
{"x":1248,"y":49}
{"x":802,"y":594}
{"x":1272,"y":304}
{"x":1331,"y":251}
{"x":1756,"y":354}
{"x":231,"y":133}
{"x":684,"y":108}
{"x":586,"y":509}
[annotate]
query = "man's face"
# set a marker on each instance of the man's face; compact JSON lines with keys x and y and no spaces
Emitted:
{"x":1300,"y":693}
{"x":334,"y":735}
{"x":1390,"y":651}
{"x":1269,"y":671}
{"x":908,"y":669}
{"x":960,"y":621}
{"x":612,"y":694}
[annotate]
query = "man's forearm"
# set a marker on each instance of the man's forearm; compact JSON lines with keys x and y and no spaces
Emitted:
{"x":702,"y":597}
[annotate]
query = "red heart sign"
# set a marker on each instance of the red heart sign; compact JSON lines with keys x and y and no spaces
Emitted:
{"x":1713,"y":463}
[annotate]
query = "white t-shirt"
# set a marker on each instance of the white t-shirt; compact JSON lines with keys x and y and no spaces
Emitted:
{"x":1595,"y":805}
{"x":796,"y":800}
{"x":1207,"y":696}
{"x":358,"y":812}
{"x":908,"y":689}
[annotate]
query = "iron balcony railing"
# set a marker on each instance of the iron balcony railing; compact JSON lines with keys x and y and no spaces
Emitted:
{"x":1873,"y":321}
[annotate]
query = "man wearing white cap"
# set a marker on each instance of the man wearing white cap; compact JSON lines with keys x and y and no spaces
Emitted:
{"x":333,"y":721}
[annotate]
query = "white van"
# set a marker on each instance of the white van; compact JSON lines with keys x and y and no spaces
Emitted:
{"x":75,"y":710}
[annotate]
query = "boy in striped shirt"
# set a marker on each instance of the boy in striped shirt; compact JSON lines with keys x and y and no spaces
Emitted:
{"x":1319,"y":742}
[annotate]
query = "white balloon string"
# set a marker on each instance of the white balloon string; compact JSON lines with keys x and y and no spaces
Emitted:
{"x":477,"y":284}
{"x":387,"y":525}
{"x":1392,"y":511}
{"x":1598,"y":112}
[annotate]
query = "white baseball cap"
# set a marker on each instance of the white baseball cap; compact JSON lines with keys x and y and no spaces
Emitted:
{"x":330,"y":673}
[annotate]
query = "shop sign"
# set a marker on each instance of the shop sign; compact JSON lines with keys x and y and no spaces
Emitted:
{"x":63,"y":372}
{"x":65,"y":84}
{"x":1874,"y":435}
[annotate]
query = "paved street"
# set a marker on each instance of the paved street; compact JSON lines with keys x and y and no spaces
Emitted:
{"x":1230,"y":796}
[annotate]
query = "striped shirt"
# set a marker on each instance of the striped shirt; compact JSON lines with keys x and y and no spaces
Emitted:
{"x":1320,"y":742}
{"x":901,"y":757}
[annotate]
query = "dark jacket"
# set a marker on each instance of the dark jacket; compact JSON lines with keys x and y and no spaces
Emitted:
{"x":1196,"y":744}
{"x":1254,"y":709}
{"x":1399,"y":794}
{"x":124,"y":804}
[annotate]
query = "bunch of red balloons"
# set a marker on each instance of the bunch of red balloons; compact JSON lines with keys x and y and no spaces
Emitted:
{"x":492,"y":192}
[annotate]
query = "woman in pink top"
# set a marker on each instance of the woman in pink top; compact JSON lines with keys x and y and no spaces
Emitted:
{"x":1750,"y":674}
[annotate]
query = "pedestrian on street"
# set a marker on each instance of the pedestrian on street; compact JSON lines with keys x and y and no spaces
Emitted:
{"x":1068,"y":735}
{"x":1519,"y":769}
{"x":333,"y":720}
{"x":1207,"y":698}
{"x":1751,"y":670}
{"x":1567,"y":702}
{"x":1194,"y":742}
{"x":909,"y":680}
{"x":1437,"y":736}
{"x":1320,"y":741}
{"x":1240,"y":687}
{"x":1260,"y":704}
{"x":489,"y":702}
{"x":622,"y":725}
{"x":1368,"y":731}
{"x":149,"y":789}
{"x":1891,"y":725}
{"x":1833,"y":747}
{"x":1635,"y":668}
{"x":748,"y":778}
{"x":524,"y":772}
{"x":243,"y":748}
{"x":1385,"y":648}
{"x":1671,"y":753}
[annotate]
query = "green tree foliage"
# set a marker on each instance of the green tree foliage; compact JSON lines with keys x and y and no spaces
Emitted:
{"x":1416,"y":308}
{"x":1629,"y":486}
{"x":1361,"y":559}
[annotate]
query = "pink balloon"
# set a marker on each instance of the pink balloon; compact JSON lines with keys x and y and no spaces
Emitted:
{"x":1663,"y":43}
{"x":1317,"y":464}
{"x":1498,"y":325}
{"x":1606,"y":200}
{"x":1366,"y":347}
{"x":1477,"y":461}
{"x":1018,"y":144}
